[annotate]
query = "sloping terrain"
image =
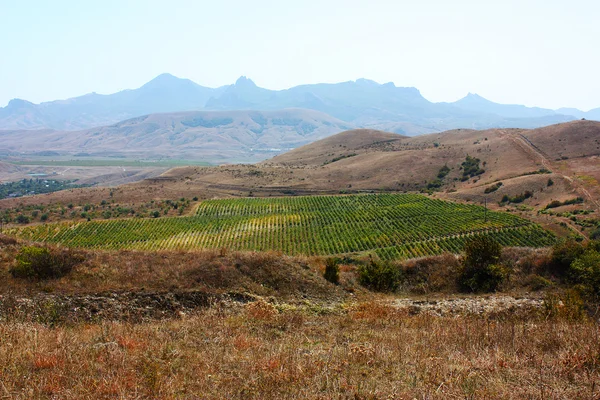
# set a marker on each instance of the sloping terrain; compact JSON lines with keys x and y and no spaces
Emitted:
{"x":226,"y":136}
{"x":505,"y":162}
{"x":390,"y":225}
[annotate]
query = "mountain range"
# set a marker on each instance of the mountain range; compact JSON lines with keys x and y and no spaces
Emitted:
{"x":213,"y":136}
{"x":361,"y":103}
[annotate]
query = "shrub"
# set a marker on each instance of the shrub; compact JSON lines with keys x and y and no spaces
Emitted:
{"x":482,"y":251}
{"x":381,"y":276}
{"x":595,"y":235}
{"x":556,"y":203}
{"x":594,"y":245}
{"x":43,"y":263}
{"x":482,"y":279}
{"x":585,"y":271}
{"x":519,"y":198}
{"x":445,"y":170}
{"x":480,"y":271}
{"x":563,"y":254}
{"x":493,"y":188}
{"x":430,"y":274}
{"x":22,"y":219}
{"x":332,"y":271}
{"x":471,"y":168}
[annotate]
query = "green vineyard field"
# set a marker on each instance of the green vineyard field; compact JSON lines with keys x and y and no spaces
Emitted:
{"x":393,"y":226}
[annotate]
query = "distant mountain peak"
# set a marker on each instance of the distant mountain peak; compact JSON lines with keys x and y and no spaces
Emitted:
{"x":19,"y":103}
{"x":164,"y":80}
{"x":474,"y":96}
{"x":244,"y":82}
{"x":165,"y":76}
{"x":364,"y":81}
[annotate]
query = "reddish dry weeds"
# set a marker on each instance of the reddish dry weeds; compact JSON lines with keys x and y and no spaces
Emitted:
{"x":259,"y":351}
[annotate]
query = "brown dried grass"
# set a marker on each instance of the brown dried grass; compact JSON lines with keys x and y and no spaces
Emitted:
{"x":371,"y":351}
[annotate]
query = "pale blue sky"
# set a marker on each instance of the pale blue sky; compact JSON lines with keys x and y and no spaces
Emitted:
{"x":532,"y":52}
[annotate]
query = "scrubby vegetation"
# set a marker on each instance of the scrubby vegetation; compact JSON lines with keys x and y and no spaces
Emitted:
{"x":556,"y":203}
{"x":381,"y":276}
{"x":340,"y":157}
{"x":481,"y":271}
{"x":106,"y":209}
{"x":27,"y":187}
{"x":519,"y":198}
{"x":493,"y":188}
{"x":541,"y":171}
{"x":32,"y":262}
{"x":332,"y":271}
{"x":438,"y":182}
{"x":470,"y":168}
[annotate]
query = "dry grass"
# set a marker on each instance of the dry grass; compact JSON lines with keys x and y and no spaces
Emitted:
{"x":370,"y":351}
{"x":258,"y":273}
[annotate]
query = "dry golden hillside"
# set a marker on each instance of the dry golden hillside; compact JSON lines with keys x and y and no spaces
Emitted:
{"x":368,"y":160}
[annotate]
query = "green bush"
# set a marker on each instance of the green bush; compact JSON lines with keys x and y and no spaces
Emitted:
{"x":332,"y":271}
{"x":480,"y":271}
{"x":484,"y":279}
{"x":33,"y":262}
{"x":563,"y":255}
{"x":22,"y":219}
{"x":381,"y":276}
{"x":585,"y":271}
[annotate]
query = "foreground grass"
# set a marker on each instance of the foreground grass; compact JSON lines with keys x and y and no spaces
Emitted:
{"x":367,"y":351}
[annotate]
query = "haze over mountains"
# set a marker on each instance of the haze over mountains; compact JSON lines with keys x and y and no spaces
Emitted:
{"x":361,"y":103}
{"x":177,"y":118}
{"x":214,"y":136}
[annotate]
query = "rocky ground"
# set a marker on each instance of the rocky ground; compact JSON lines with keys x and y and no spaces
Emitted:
{"x":141,"y":306}
{"x":118,"y":306}
{"x":475,"y":305}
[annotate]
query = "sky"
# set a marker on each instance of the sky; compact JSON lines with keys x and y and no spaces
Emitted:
{"x":532,"y":52}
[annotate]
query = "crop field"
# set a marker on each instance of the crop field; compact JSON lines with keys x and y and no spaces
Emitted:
{"x":393,"y":226}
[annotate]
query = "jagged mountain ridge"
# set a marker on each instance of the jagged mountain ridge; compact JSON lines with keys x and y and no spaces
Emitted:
{"x":362,"y":103}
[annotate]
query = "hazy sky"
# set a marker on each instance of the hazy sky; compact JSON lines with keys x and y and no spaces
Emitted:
{"x":542,"y":53}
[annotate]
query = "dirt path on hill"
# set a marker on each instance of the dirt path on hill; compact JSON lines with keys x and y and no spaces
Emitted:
{"x":535,"y":152}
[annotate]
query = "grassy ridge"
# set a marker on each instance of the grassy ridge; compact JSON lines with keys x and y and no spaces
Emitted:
{"x":391,"y":225}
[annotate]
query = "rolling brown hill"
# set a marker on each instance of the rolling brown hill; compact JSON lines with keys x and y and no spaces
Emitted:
{"x":214,"y":136}
{"x":368,"y":160}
